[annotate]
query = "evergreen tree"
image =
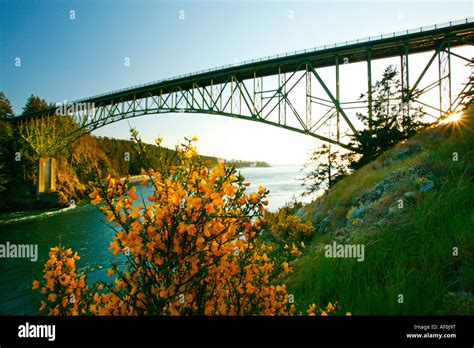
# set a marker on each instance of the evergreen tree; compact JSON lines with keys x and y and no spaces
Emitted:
{"x":6,"y":110}
{"x":6,"y":134}
{"x":466,"y":98}
{"x":330,"y":167}
{"x":389,"y":123}
{"x":35,"y":103}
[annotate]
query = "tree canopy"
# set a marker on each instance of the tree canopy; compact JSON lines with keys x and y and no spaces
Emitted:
{"x":35,"y":103}
{"x":391,"y":120}
{"x":6,"y":110}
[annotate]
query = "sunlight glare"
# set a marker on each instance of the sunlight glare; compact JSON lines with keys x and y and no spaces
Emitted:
{"x":453,"y":118}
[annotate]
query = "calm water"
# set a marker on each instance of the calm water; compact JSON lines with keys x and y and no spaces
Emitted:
{"x":84,"y":229}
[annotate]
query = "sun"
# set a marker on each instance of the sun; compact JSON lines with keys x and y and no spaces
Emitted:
{"x":453,"y":118}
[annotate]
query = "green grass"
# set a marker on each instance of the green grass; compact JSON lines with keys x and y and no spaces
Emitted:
{"x":413,"y":256}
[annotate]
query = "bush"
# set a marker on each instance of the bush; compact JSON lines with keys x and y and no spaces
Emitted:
{"x":193,"y":249}
{"x":63,"y":288}
{"x":286,"y":227}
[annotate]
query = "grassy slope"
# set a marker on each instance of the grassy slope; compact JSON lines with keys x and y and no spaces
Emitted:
{"x":409,"y":252}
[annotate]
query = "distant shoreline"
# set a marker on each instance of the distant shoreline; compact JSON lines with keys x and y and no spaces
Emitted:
{"x":141,"y":177}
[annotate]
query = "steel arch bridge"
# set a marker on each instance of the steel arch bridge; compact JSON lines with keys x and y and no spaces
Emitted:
{"x":266,"y":90}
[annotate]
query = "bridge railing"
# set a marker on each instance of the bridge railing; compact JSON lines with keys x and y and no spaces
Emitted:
{"x":289,"y":54}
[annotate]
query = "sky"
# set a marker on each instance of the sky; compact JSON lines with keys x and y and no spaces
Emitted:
{"x":65,"y":58}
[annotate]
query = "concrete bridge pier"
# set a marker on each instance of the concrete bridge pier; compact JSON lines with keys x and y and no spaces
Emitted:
{"x":46,"y":181}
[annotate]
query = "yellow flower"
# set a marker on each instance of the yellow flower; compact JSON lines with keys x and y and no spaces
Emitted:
{"x":36,"y":285}
{"x":195,"y":138}
{"x":311,"y":309}
{"x":173,"y":310}
{"x":43,"y":306}
{"x":253,"y":198}
{"x":131,"y":194}
{"x":250,"y":289}
{"x":96,"y":200}
{"x":110,"y":216}
{"x":110,"y":272}
{"x":195,"y":203}
{"x":348,"y":314}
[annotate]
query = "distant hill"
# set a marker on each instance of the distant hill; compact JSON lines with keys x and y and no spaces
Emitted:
{"x":412,"y":210}
{"x":115,"y":150}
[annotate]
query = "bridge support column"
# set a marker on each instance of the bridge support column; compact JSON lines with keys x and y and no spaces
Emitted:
{"x":369,"y":85}
{"x":337,"y":98}
{"x":46,"y":181}
{"x":405,"y":107}
{"x":309,"y":120}
{"x":281,"y":97}
{"x":444,"y":68}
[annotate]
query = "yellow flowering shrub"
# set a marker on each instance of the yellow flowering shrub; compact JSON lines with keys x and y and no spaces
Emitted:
{"x":287,"y":227}
{"x":330,"y":309}
{"x":191,"y":248}
{"x":62,"y":287}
